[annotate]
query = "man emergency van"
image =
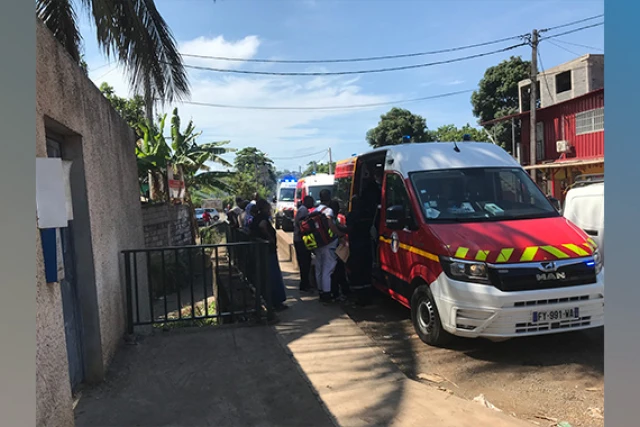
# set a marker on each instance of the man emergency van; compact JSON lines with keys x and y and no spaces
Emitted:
{"x":467,"y":241}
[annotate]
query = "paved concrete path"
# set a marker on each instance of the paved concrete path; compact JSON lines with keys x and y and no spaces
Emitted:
{"x":214,"y":376}
{"x":358,"y":384}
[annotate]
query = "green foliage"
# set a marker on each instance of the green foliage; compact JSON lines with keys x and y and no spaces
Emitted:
{"x":497,"y":96}
{"x":450,"y":133}
{"x":251,"y":162}
{"x":395,"y":125}
{"x":133,"y":32}
{"x":132,"y":110}
{"x":319,"y":168}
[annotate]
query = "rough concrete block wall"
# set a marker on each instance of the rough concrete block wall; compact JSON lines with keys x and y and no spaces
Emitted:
{"x":166,"y":225}
{"x":65,"y":96}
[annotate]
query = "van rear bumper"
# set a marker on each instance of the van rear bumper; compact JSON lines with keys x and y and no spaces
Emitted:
{"x":475,"y":310}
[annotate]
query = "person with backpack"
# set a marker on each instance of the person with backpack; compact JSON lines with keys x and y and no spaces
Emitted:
{"x":303,"y":255}
{"x":325,"y":256}
{"x":262,"y":228}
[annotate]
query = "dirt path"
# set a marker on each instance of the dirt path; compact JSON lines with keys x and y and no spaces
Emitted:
{"x":558,"y":377}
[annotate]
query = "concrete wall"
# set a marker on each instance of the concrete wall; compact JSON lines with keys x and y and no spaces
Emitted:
{"x":167,"y":225}
{"x":107,"y":219}
{"x":587,"y":75}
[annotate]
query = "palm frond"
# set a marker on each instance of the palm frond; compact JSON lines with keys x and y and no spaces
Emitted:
{"x":136,"y":34}
{"x":60,"y":18}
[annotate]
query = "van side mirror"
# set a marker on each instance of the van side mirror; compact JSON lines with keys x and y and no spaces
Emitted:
{"x":555,"y":202}
{"x":275,"y":200}
{"x":395,"y":218}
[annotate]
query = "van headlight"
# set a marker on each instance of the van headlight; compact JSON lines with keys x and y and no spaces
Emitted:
{"x":597,"y":259}
{"x":466,"y":271}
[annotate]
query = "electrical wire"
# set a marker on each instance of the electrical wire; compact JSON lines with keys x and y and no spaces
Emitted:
{"x":337,"y":107}
{"x":301,"y":156}
{"x":361,"y":59}
{"x":569,"y":24}
{"x":563,"y":48}
{"x":579,"y":45}
{"x":343,"y":73}
{"x":575,"y":30}
{"x":546,"y":82}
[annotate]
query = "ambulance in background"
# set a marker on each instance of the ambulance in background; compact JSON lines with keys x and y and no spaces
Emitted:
{"x":312,"y":185}
{"x":284,"y":203}
{"x":468,"y":242}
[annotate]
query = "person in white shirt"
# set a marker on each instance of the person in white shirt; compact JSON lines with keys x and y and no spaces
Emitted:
{"x":325,"y":257}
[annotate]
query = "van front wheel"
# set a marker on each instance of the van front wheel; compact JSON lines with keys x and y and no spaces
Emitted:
{"x":425,"y":318}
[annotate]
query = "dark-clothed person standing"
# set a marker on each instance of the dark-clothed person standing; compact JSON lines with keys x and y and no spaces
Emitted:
{"x":261,"y":227}
{"x":302,"y":253}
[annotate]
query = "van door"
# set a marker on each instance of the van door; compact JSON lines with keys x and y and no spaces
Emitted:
{"x":395,"y":259}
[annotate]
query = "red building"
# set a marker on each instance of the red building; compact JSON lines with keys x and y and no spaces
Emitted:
{"x":570,"y":124}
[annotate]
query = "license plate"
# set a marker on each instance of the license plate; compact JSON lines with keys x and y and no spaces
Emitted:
{"x":555,"y":315}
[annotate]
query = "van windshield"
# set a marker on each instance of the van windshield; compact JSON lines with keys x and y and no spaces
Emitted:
{"x":314,"y":190}
{"x":480,"y":194}
{"x":286,"y":194}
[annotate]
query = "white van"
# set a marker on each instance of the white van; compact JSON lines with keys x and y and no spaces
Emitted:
{"x":584,"y":206}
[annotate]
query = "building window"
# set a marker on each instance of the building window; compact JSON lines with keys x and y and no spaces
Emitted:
{"x":563,"y":82}
{"x":590,"y":121}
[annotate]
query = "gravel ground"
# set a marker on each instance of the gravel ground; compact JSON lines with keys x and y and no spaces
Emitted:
{"x":545,"y":380}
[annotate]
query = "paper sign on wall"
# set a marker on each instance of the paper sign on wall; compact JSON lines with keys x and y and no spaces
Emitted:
{"x":51,"y":198}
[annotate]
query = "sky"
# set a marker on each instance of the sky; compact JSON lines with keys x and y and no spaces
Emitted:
{"x":330,"y":29}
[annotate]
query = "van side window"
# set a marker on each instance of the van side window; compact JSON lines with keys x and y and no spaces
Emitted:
{"x":396,"y":194}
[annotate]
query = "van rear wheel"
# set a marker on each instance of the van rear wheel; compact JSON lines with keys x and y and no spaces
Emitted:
{"x":426,"y":319}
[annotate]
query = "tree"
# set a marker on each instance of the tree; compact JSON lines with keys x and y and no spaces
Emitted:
{"x":131,"y":109}
{"x":449,"y":133}
{"x":497,"y":96}
{"x":319,"y":168}
{"x":395,"y":126}
{"x":132,"y":31}
{"x":256,"y":165}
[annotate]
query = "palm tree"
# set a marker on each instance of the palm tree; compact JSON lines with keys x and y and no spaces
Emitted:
{"x":132,"y":31}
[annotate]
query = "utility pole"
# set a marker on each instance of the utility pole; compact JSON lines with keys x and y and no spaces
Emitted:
{"x":330,"y":160}
{"x":533,"y":102}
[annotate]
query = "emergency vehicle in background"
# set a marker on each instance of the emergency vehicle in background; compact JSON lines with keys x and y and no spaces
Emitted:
{"x":312,"y":185}
{"x":468,"y":242}
{"x":284,"y":203}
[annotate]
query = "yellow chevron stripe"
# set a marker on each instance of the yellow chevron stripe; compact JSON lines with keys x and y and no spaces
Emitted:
{"x":505,"y":254}
{"x":482,"y":255}
{"x":577,"y":249}
{"x":461,"y":252}
{"x":529,"y":253}
{"x":555,"y":252}
{"x":593,"y":242}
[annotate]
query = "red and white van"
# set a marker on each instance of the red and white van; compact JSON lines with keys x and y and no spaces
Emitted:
{"x":312,"y":185}
{"x":471,"y":245}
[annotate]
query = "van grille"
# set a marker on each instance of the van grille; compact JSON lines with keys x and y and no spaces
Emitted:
{"x":526,"y":279}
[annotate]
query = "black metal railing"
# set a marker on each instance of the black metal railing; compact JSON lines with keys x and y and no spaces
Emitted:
{"x":207,"y":284}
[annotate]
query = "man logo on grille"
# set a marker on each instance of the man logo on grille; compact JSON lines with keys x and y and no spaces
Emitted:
{"x":548,"y":267}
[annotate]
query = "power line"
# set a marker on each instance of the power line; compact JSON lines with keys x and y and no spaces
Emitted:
{"x":569,"y":24}
{"x":575,"y":30}
{"x":546,"y":82}
{"x":337,"y":107}
{"x":342,"y":73}
{"x":300,"y":157}
{"x":361,"y":59}
{"x":563,"y":48}
{"x":579,"y":45}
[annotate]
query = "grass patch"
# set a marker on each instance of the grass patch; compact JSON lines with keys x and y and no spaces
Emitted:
{"x":190,"y":319}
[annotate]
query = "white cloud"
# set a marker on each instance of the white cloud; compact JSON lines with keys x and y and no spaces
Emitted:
{"x":245,"y":48}
{"x":280,"y":133}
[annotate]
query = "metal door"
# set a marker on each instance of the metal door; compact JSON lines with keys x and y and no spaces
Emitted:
{"x":69,"y":293}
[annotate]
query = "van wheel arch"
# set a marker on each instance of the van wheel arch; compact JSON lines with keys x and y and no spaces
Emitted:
{"x":425,"y":316}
